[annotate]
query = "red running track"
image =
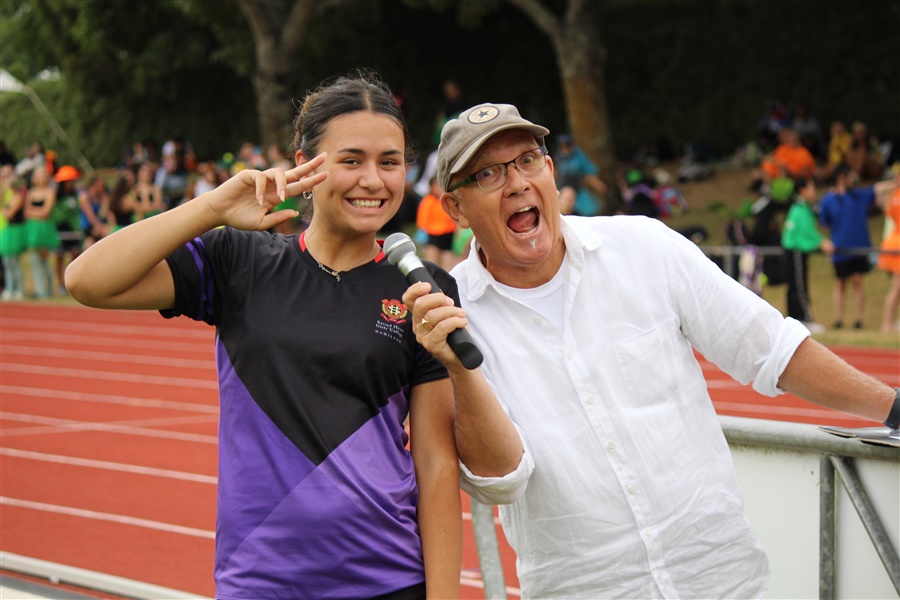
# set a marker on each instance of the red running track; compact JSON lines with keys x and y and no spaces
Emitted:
{"x":108,"y":455}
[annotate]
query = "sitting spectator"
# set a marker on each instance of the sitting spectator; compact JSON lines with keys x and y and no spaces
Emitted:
{"x":249,"y":157}
{"x":94,"y":204}
{"x":838,"y":145}
{"x":790,"y":159}
{"x":172,"y":179}
{"x":183,"y":149}
{"x":208,"y":178}
{"x":864,"y":156}
{"x":770,"y":124}
{"x":651,"y":196}
{"x":581,"y":190}
{"x":139,"y":154}
{"x":809,"y":130}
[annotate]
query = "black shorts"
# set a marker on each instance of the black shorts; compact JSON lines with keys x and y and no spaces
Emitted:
{"x":857,"y":264}
{"x":443,"y":242}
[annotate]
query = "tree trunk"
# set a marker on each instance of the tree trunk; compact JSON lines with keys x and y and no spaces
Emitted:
{"x":273,"y":108}
{"x":581,"y":58}
{"x":278,"y":38}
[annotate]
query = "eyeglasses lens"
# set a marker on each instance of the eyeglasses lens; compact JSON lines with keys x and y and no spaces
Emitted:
{"x":493,"y":177}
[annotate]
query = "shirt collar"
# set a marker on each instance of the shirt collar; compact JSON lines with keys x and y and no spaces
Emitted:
{"x":578,"y":239}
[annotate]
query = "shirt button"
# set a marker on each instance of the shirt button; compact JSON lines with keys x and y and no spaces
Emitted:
{"x":590,"y":400}
{"x":658,"y":574}
{"x":632,"y":489}
{"x":611,"y":445}
{"x":537,"y":320}
{"x":569,"y":355}
{"x":648,"y":532}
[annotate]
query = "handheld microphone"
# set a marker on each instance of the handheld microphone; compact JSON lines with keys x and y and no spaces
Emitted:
{"x":401,"y":251}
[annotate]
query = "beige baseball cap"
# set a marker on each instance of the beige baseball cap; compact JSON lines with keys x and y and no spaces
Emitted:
{"x":464,"y":135}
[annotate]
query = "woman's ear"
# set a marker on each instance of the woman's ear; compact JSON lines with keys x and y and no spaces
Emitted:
{"x":299,"y":158}
{"x":451,"y":206}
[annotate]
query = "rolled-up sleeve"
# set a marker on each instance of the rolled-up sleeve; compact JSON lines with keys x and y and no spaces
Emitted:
{"x":499,"y":490}
{"x":788,"y":338}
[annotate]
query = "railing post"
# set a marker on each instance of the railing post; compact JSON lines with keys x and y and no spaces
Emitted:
{"x":826,"y":528}
{"x":488,"y":551}
{"x":869,"y":517}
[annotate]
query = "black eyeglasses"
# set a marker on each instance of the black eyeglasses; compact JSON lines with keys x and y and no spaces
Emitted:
{"x":493,"y":177}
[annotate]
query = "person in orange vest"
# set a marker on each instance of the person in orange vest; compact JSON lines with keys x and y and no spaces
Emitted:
{"x":439,"y":228}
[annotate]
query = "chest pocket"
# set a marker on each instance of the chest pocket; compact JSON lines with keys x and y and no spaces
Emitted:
{"x":651,"y":363}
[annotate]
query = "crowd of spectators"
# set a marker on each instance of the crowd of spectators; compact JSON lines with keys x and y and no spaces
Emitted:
{"x":51,"y":212}
{"x":817,"y":194}
{"x":794,"y":145}
{"x":59,"y":211}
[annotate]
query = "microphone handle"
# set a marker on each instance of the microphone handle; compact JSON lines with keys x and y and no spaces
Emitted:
{"x":460,"y":341}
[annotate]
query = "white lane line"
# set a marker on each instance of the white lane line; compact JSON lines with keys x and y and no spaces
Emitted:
{"x":52,"y":425}
{"x":110,"y":376}
{"x":204,"y":347}
{"x":105,"y":327}
{"x":118,"y":357}
{"x":783,"y":410}
{"x":724,"y":384}
{"x":108,"y":466}
{"x":107,"y":399}
{"x":109,"y":517}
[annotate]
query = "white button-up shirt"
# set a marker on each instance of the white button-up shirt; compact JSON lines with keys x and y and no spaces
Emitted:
{"x":627,"y":487}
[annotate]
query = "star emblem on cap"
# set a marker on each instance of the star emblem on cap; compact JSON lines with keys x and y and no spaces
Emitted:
{"x":483,"y":114}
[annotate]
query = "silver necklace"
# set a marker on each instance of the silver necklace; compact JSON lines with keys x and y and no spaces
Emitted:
{"x":331,"y":272}
{"x":336,"y":274}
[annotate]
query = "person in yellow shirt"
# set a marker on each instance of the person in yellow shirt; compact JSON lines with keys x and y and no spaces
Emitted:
{"x":838,"y":146}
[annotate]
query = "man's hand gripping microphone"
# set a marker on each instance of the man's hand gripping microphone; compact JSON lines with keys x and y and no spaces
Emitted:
{"x":401,"y":251}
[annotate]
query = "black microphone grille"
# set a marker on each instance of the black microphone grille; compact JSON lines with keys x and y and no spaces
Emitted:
{"x":398,"y":245}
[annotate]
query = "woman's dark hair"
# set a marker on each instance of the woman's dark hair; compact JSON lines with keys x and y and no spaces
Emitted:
{"x":357,"y":92}
{"x":117,"y":196}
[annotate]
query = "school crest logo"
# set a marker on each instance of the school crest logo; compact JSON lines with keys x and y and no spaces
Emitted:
{"x":394,"y":311}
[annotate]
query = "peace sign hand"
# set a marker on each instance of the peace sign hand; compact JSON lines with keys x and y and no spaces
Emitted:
{"x":245,"y":200}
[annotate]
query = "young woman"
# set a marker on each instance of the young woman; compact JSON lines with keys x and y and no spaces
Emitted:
{"x":318,"y":364}
{"x":41,"y":236}
{"x":148,"y":198}
{"x":121,"y":202}
{"x":12,"y":233}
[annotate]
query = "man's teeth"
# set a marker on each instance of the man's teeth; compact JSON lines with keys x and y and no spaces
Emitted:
{"x":526,"y":209}
{"x":366,"y":203}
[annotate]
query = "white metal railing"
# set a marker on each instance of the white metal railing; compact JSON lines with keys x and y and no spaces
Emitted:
{"x":808,"y":520}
